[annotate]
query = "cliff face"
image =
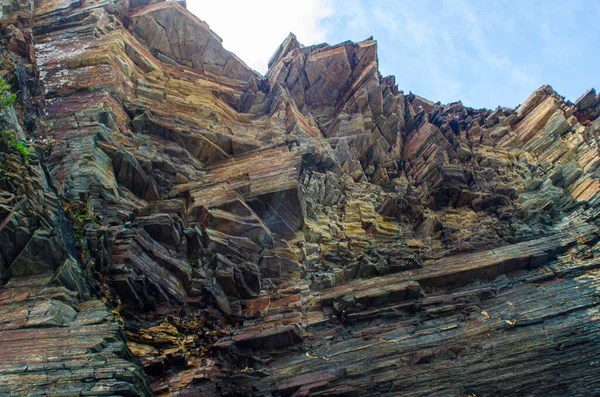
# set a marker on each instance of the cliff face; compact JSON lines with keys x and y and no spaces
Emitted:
{"x":174,"y":223}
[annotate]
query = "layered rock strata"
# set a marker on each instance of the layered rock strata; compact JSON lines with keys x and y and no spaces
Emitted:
{"x":174,"y":223}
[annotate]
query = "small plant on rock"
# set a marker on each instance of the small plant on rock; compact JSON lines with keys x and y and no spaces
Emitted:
{"x":6,"y":99}
{"x":21,"y":147}
{"x":6,"y":173}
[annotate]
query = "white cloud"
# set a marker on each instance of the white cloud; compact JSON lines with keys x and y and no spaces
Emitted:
{"x":254,"y":29}
{"x":522,"y":79}
{"x":354,"y":13}
{"x":485,"y":53}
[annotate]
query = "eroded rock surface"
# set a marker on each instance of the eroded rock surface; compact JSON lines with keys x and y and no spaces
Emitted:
{"x":178,"y":224}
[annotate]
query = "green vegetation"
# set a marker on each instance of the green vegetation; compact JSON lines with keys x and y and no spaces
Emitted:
{"x":81,"y":214}
{"x":6,"y":173}
{"x":6,"y":99}
{"x":21,"y":147}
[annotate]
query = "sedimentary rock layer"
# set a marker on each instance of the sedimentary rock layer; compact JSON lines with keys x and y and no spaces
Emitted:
{"x":174,"y":223}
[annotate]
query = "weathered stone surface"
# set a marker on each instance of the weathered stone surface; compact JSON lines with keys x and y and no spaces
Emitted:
{"x":314,"y":231}
{"x":169,"y":29}
{"x":53,"y":344}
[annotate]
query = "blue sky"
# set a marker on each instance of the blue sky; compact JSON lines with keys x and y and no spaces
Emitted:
{"x":483,"y":52}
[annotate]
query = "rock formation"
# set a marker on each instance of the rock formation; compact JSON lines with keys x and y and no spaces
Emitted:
{"x":172,"y":223}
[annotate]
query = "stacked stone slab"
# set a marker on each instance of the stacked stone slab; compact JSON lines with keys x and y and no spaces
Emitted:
{"x":184,"y":225}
